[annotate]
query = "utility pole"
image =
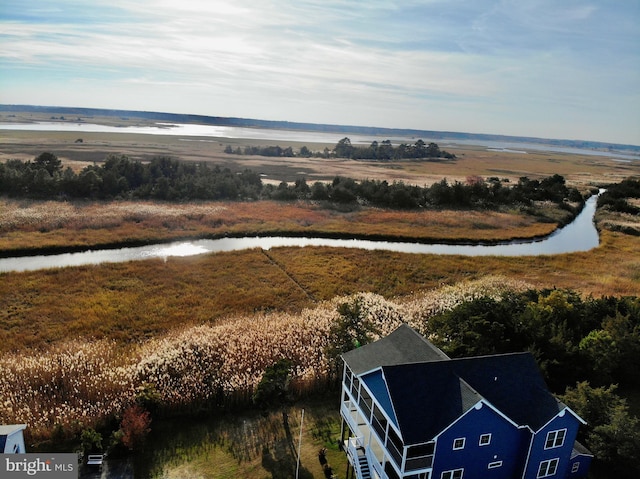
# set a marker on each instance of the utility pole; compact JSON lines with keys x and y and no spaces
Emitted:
{"x":299,"y":444}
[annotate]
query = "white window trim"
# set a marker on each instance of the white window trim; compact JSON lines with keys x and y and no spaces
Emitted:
{"x":493,"y":465}
{"x":555,"y":438}
{"x":480,"y":443}
{"x":575,"y":467}
{"x":464,"y":441}
{"x":548,"y":463}
{"x":449,"y":474}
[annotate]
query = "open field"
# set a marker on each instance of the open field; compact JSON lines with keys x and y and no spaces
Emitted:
{"x":579,"y":170}
{"x":129,"y":323}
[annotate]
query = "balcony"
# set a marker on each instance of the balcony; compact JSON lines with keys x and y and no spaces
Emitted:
{"x":416,"y":463}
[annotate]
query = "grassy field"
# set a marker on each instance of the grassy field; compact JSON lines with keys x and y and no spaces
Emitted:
{"x":123,"y":317}
{"x":133,"y":301}
{"x":248,"y":445}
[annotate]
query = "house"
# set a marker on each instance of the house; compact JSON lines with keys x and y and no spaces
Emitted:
{"x":409,"y":411}
{"x":12,"y":439}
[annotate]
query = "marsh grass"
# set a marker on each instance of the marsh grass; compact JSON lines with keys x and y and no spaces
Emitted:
{"x":37,"y":225}
{"x":135,"y":301}
{"x":77,"y":342}
{"x":77,"y":384}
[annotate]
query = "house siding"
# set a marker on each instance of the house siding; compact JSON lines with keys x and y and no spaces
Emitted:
{"x":539,"y":453}
{"x":13,"y":442}
{"x":507,"y":444}
{"x":584,"y":462}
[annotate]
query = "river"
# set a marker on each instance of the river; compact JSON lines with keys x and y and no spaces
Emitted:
{"x":579,"y":235}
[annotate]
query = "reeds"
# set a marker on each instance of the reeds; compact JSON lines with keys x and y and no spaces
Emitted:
{"x":79,"y":384}
{"x":73,"y":385}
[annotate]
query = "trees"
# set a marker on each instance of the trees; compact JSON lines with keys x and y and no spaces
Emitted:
{"x":91,"y":441}
{"x":49,"y":162}
{"x":385,"y":151}
{"x":352,"y":330}
{"x":344,"y":149}
{"x":481,"y":326}
{"x":612,"y":434}
{"x":575,"y":342}
{"x":613,"y":347}
{"x":273,"y":389}
{"x":168,"y":179}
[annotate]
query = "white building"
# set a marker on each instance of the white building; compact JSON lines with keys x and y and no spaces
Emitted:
{"x":12,"y":439}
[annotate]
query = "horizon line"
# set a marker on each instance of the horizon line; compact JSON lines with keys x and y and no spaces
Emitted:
{"x":297,"y":125}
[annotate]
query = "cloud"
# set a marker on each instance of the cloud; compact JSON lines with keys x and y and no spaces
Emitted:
{"x":382,"y":61}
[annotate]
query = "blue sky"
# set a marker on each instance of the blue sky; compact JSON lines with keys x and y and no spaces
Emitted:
{"x":546,"y":68}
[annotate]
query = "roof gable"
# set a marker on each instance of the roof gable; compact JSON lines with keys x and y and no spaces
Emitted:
{"x":6,"y":430}
{"x":513,"y":384}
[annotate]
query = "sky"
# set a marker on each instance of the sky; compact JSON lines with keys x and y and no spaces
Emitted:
{"x":566,"y":69}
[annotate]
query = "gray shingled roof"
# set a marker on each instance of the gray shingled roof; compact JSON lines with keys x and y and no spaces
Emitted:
{"x":580,"y":450}
{"x":402,"y":346}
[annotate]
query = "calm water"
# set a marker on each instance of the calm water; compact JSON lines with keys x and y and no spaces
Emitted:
{"x":580,"y":235}
{"x":214,"y":131}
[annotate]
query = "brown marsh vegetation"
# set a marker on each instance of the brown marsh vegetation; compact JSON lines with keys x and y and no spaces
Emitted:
{"x":37,"y":225}
{"x":87,"y":337}
{"x":578,"y":169}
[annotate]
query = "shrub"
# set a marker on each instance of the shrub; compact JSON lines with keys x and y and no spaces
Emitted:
{"x":135,"y":426}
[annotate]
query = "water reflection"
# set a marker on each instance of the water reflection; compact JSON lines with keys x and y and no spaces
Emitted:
{"x":580,"y":235}
{"x":174,"y":249}
{"x":191,"y":130}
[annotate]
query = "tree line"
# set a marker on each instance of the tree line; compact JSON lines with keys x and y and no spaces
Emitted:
{"x":120,"y":177}
{"x":383,"y":151}
{"x":164,"y":178}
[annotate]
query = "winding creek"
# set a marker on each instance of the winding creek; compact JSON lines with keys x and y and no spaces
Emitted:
{"x":579,"y":235}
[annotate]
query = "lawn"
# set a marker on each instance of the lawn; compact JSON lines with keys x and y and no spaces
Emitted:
{"x":247,"y":444}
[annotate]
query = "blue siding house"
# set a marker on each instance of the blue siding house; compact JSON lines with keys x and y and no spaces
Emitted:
{"x":409,"y":411}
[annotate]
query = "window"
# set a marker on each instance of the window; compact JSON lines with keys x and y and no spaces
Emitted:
{"x":454,"y":474}
{"x":575,"y":467}
{"x":548,"y":468}
{"x":485,"y":440}
{"x":493,"y":465}
{"x":458,"y":443}
{"x":555,"y":439}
